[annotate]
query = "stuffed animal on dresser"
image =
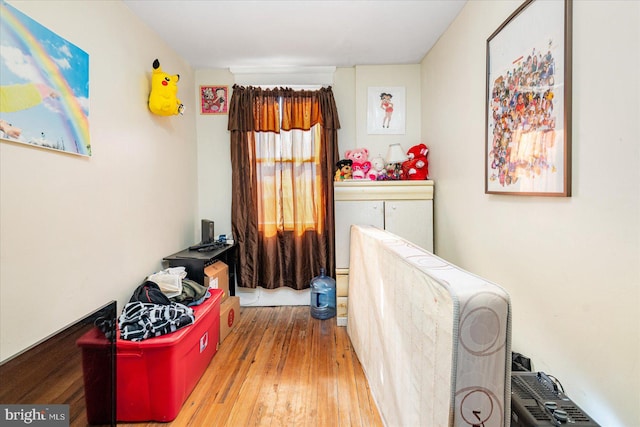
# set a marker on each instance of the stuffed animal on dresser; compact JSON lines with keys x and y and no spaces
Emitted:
{"x":344,"y":170}
{"x":361,"y":164}
{"x":378,"y":171}
{"x":417,"y":166}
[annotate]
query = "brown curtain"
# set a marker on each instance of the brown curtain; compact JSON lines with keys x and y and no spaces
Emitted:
{"x":275,"y":256}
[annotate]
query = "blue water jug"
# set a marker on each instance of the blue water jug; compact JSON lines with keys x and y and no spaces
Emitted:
{"x":323,"y":296}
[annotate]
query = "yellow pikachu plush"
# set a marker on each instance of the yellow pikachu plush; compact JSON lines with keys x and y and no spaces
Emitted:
{"x":163,"y":99}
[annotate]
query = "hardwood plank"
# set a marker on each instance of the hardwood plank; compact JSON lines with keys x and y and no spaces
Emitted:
{"x":294,"y":367}
{"x":348,"y":408}
{"x":258,"y":378}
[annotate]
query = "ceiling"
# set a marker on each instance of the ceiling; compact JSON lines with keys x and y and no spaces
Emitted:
{"x":265,"y":33}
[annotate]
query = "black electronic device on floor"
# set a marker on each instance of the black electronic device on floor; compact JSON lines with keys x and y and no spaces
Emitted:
{"x":537,"y":401}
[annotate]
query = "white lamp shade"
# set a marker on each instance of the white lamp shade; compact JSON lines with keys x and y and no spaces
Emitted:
{"x":395,"y":154}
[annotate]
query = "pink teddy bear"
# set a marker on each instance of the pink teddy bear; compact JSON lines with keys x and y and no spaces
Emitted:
{"x":361,"y":164}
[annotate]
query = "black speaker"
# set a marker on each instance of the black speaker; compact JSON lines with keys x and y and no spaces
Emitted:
{"x":208,"y":235}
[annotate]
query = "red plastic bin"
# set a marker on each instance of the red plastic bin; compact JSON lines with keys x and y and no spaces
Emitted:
{"x":155,"y":376}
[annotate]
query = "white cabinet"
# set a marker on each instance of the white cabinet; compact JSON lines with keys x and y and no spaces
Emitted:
{"x":354,"y":212}
{"x":411,"y":219}
{"x":404,"y":208}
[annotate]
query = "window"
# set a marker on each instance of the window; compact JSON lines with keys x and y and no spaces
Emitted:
{"x":289,"y":185}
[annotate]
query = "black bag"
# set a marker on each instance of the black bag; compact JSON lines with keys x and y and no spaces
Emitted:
{"x":149,"y":292}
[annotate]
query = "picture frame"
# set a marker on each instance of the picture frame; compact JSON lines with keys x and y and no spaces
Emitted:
{"x":214,"y":99}
{"x":45,"y":87}
{"x":386,"y":114}
{"x":528,"y":102}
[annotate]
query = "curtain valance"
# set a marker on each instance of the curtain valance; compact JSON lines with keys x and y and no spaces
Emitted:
{"x":272,"y":110}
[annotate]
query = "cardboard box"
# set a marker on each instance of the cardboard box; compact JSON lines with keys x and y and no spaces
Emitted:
{"x":229,"y":316}
{"x":216,"y":276}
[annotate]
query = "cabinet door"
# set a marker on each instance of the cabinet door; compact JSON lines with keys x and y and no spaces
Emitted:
{"x":347,"y":212}
{"x":411,"y":220}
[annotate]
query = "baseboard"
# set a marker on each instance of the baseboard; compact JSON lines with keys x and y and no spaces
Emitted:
{"x":261,"y":297}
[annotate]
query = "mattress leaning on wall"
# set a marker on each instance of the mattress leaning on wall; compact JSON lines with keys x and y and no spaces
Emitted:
{"x":433,"y":339}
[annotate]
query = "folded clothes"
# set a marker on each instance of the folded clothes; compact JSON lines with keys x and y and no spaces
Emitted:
{"x":169,"y":280}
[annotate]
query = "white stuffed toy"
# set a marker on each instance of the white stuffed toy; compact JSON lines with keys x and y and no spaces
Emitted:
{"x":378,"y":169}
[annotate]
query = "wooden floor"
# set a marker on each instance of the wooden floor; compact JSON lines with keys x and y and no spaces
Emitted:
{"x":281,"y":367}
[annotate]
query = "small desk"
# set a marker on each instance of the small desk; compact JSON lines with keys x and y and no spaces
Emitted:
{"x":195,"y":263}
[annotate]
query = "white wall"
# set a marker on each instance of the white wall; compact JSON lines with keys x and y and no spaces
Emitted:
{"x":571,"y":265}
{"x":214,"y":156}
{"x":344,"y":92}
{"x":78,"y":232}
{"x":407,"y":76}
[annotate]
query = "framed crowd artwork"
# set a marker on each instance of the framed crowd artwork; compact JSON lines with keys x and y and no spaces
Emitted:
{"x":214,"y":99}
{"x":528,"y":102}
{"x":44,"y":86}
{"x":386,"y":113}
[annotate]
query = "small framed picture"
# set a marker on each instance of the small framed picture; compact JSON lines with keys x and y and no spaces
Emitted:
{"x":386,"y":110}
{"x":214,"y":99}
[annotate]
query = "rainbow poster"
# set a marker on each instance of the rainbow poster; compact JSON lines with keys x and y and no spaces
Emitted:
{"x":44,"y":86}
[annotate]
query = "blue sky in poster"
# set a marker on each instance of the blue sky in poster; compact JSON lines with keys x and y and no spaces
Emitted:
{"x":30,"y":53}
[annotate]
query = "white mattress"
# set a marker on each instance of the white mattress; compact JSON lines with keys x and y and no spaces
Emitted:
{"x":434,"y":340}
